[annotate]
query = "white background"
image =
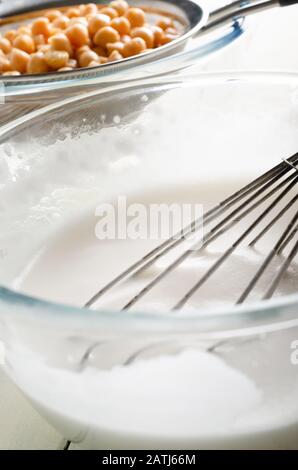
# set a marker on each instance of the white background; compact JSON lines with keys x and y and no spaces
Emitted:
{"x":270,"y":43}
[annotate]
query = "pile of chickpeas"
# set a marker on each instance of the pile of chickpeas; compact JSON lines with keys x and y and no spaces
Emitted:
{"x":82,"y":36}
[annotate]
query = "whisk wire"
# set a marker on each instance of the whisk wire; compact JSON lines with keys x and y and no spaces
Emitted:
{"x":218,"y":263}
{"x":230,"y":250}
{"x":268,"y":258}
{"x":234,"y":209}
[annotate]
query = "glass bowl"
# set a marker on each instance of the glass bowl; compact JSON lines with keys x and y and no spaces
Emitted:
{"x":210,"y":377}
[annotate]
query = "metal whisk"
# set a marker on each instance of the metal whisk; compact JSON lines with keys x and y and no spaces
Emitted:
{"x":267,"y":202}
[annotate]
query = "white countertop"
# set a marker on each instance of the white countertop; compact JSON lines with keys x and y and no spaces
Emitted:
{"x":270,"y":43}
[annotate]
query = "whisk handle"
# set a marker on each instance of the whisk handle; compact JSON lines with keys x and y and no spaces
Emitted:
{"x":239,"y":9}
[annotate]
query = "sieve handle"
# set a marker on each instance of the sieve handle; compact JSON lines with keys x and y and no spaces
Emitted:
{"x":285,"y":3}
{"x":240,"y":9}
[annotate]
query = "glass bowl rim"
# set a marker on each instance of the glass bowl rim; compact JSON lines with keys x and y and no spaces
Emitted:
{"x":248,"y":316}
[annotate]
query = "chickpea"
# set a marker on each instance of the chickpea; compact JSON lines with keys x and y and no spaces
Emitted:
{"x":89,"y":9}
{"x":125,"y":38}
{"x":41,"y":26}
{"x":73,"y":13}
{"x":87,"y":57}
{"x":96,"y":22}
{"x":53,"y":14}
{"x":158,"y":35}
{"x":62,"y":22}
{"x":25,"y":43}
{"x":100,"y":50}
{"x":12,"y":73}
{"x":103,"y":60}
{"x":144,"y":33}
{"x":78,"y":35}
{"x":60,"y":42}
{"x":120,"y":6}
{"x":80,"y":20}
{"x":135,"y":16}
{"x":168,"y":38}
{"x":56,"y":59}
{"x":54,"y":31}
{"x":105,"y":35}
{"x":39,"y":40}
{"x":134,"y":47}
{"x":5,"y":65}
{"x":10,"y":35}
{"x":72,"y":63}
{"x":111,"y":12}
{"x":24,"y":30}
{"x":115,"y":46}
{"x":37,"y":63}
{"x":165,"y":23}
{"x":122,"y":25}
{"x":115,"y":55}
{"x":65,"y":69}
{"x":44,"y":48}
{"x":93,"y":63}
{"x":81,"y":50}
{"x":171,"y":31}
{"x":5,"y":45}
{"x":19,"y":60}
{"x":82,"y":9}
